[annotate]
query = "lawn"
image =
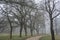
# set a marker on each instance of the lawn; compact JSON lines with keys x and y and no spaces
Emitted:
{"x":15,"y":37}
{"x":49,"y":38}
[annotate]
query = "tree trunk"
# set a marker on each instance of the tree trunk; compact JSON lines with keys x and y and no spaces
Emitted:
{"x":10,"y":26}
{"x":37,"y":32}
{"x":31,"y":30}
{"x":21,"y":26}
{"x":25,"y":30}
{"x":10,"y":29}
{"x":51,"y":28}
{"x":21,"y":31}
{"x":10,"y":32}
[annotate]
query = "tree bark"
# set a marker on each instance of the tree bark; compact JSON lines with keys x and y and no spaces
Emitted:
{"x":31,"y":30}
{"x":10,"y":26}
{"x":21,"y":31}
{"x":25,"y":28}
{"x":10,"y":31}
{"x":21,"y":28}
{"x":51,"y":28}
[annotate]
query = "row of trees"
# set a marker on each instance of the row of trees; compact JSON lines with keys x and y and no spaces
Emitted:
{"x":24,"y":16}
{"x":27,"y":14}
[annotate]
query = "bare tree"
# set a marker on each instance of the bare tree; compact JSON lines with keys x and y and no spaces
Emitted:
{"x":50,"y":7}
{"x":6,"y":13}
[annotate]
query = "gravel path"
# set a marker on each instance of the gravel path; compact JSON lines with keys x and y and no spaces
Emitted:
{"x":34,"y":38}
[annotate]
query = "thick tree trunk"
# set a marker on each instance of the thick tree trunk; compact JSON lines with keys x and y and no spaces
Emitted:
{"x":31,"y":30}
{"x":10,"y":26}
{"x":21,"y":28}
{"x":51,"y":28}
{"x":25,"y":31}
{"x":21,"y":31}
{"x":10,"y":32}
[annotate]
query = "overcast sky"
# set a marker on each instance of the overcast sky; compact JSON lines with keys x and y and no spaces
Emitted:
{"x":37,"y":1}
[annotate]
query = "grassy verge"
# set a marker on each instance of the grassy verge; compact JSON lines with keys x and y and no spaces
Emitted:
{"x":15,"y":37}
{"x":49,"y":38}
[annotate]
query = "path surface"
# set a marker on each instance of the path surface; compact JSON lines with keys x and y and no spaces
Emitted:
{"x":34,"y":38}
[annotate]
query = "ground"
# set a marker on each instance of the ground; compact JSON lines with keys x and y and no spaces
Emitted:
{"x":57,"y":37}
{"x":34,"y":38}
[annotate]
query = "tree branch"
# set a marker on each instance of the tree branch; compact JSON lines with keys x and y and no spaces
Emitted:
{"x":56,"y":15}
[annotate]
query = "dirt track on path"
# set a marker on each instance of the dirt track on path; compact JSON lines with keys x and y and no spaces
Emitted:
{"x":34,"y":38}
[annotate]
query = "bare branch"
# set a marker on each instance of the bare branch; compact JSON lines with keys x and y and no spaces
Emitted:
{"x":46,"y":6}
{"x":56,"y":15}
{"x":53,"y":5}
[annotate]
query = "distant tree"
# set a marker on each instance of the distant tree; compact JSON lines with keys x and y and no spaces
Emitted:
{"x":6,"y":13}
{"x":3,"y":24}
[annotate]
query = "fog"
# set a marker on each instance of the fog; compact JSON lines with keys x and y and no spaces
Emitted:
{"x":30,"y":17}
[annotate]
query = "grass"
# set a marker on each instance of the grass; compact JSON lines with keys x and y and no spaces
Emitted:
{"x":15,"y":37}
{"x":49,"y":38}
